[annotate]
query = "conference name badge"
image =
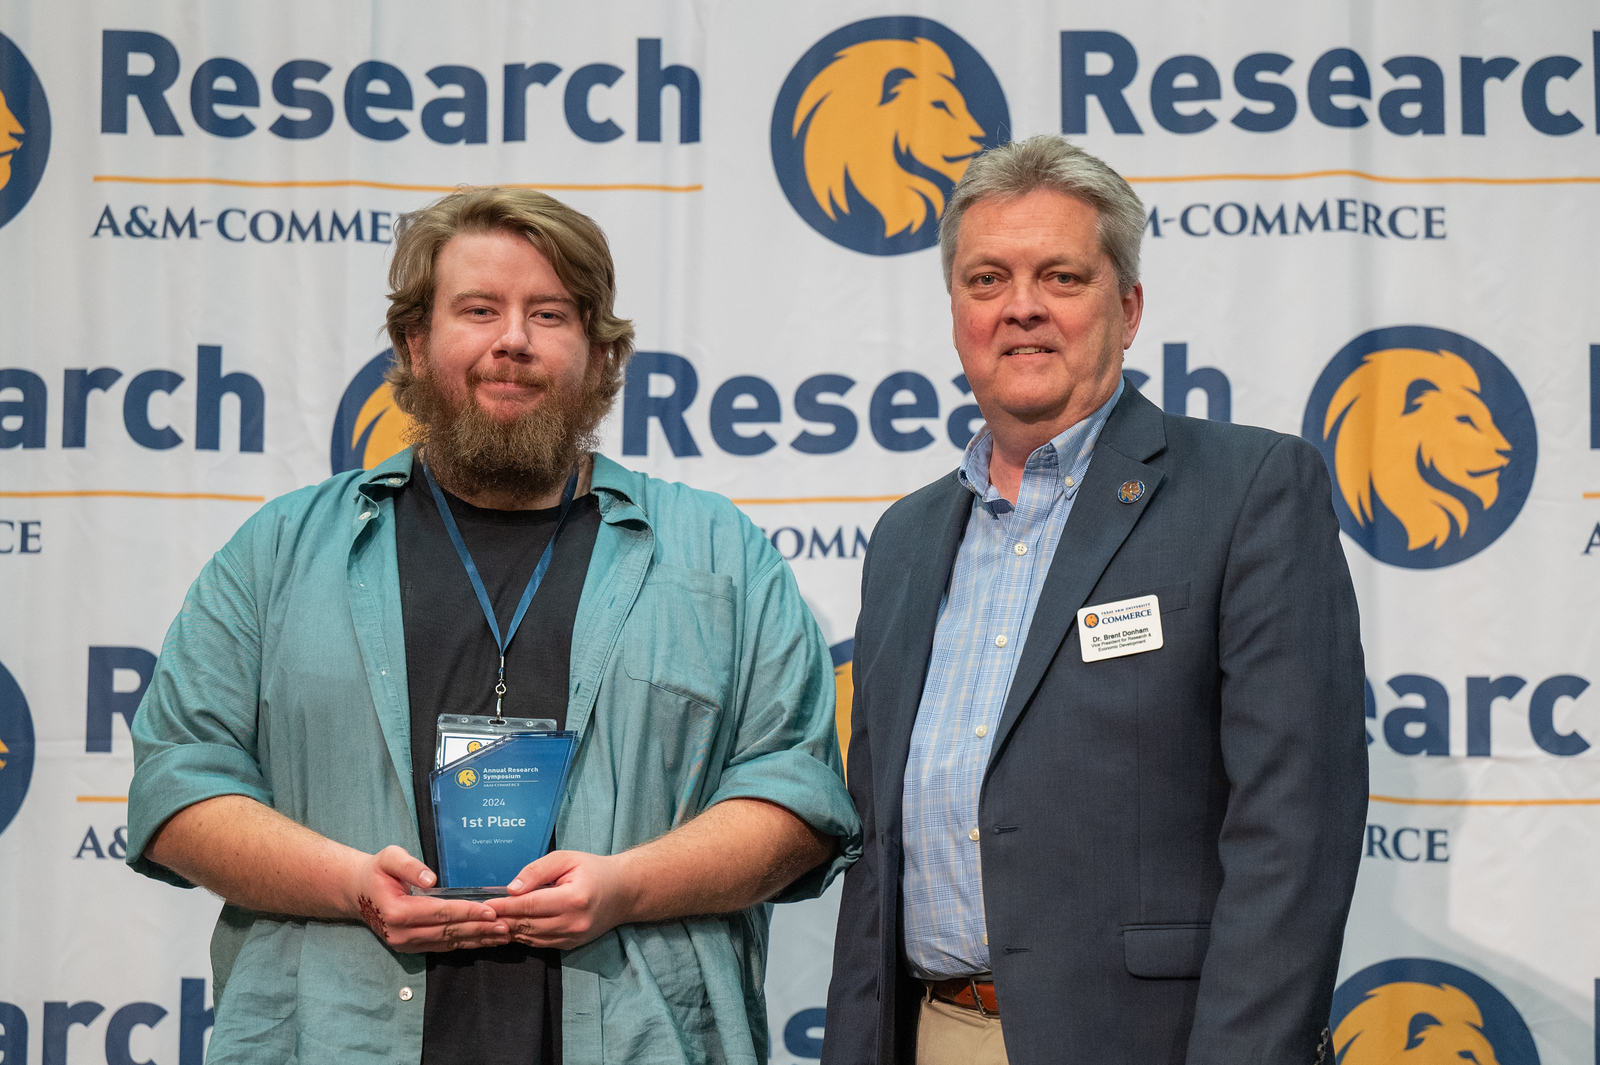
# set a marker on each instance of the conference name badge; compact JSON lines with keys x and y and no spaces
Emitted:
{"x":1126,"y":627}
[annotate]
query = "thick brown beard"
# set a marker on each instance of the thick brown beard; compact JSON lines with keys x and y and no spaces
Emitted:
{"x":474,"y":454}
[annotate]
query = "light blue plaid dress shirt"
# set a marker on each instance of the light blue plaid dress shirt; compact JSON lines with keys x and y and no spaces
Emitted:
{"x":983,"y":623}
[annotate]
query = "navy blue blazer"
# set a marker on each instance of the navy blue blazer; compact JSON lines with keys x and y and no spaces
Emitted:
{"x":1169,"y":839}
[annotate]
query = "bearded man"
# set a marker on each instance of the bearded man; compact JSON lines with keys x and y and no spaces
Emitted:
{"x":284,"y":745}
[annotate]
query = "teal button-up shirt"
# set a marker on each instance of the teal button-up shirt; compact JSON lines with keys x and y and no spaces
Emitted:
{"x":698,"y":675}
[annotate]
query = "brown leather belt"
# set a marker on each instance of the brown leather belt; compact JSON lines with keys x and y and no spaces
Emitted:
{"x":968,"y":992}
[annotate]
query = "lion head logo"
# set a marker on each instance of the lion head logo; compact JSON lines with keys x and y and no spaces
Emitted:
{"x":10,"y":130}
{"x":844,"y":685}
{"x":875,"y":125}
{"x":24,"y":130}
{"x":1429,"y":440}
{"x":1405,"y":412}
{"x":1407,"y":1023}
{"x":16,"y":747}
{"x":877,"y":115}
{"x":467,"y":778}
{"x":1422,"y":1011}
{"x":380,"y":427}
{"x":369,"y":428}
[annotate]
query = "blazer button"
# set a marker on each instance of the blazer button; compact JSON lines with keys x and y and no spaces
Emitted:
{"x":973,"y":835}
{"x":405,"y":994}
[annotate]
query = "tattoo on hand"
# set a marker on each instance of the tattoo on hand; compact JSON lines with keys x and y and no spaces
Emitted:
{"x":374,"y":919}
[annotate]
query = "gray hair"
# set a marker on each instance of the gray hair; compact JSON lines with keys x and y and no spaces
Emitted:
{"x":1049,"y":161}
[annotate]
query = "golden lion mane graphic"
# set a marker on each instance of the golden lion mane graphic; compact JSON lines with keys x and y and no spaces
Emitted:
{"x":1405,"y":411}
{"x":1406,"y":1023}
{"x":389,"y":427}
{"x":877,"y":97}
{"x":10,"y":128}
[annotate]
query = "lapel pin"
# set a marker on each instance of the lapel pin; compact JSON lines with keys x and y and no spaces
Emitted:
{"x":1131,"y":491}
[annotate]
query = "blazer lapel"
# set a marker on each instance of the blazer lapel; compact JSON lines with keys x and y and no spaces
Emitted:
{"x":915,"y":616}
{"x":1098,"y":525}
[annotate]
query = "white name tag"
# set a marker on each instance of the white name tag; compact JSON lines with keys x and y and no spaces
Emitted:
{"x":1125,"y":627}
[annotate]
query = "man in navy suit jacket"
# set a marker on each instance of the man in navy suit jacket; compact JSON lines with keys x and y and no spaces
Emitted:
{"x":1108,"y":741}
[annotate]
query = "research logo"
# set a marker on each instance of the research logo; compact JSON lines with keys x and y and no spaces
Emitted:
{"x":1429,"y":440}
{"x":467,"y":778}
{"x":16,"y":748}
{"x":874,"y":126}
{"x":1418,"y":1009}
{"x":368,"y":428}
{"x":24,"y":130}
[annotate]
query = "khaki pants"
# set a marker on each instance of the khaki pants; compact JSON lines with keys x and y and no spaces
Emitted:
{"x":954,"y":1035}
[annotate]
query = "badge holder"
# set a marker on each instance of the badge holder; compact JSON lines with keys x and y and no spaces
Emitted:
{"x":495,"y":808}
{"x":464,"y":734}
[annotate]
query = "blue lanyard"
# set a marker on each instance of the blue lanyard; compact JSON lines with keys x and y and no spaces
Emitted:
{"x":477,"y":582}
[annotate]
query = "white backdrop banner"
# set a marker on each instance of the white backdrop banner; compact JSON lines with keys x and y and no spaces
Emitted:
{"x":1370,"y":224}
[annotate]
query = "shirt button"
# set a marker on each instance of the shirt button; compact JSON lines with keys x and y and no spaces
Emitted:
{"x":1069,"y":481}
{"x":405,"y":994}
{"x":973,"y":836}
{"x":1000,"y":640}
{"x":982,"y":731}
{"x":1021,"y":549}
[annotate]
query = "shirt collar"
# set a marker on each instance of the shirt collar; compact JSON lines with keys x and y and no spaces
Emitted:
{"x":1067,"y":454}
{"x":392,"y":472}
{"x":617,"y":486}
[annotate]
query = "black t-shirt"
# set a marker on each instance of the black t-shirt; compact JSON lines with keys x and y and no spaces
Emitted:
{"x":496,"y":1005}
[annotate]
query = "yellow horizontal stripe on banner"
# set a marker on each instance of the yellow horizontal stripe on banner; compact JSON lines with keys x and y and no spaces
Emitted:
{"x":352,"y":183}
{"x":1386,"y":179}
{"x":102,"y":798}
{"x":817,"y":499}
{"x":1398,"y":801}
{"x":1591,"y":495}
{"x":91,"y":493}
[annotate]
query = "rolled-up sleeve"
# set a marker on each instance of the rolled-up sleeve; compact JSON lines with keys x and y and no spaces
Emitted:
{"x":194,"y":736}
{"x":786,"y":751}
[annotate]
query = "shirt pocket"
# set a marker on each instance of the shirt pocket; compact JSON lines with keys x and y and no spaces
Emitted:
{"x":679,"y":634}
{"x":677,"y":654}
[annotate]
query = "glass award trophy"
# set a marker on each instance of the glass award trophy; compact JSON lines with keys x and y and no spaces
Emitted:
{"x":494,"y":809}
